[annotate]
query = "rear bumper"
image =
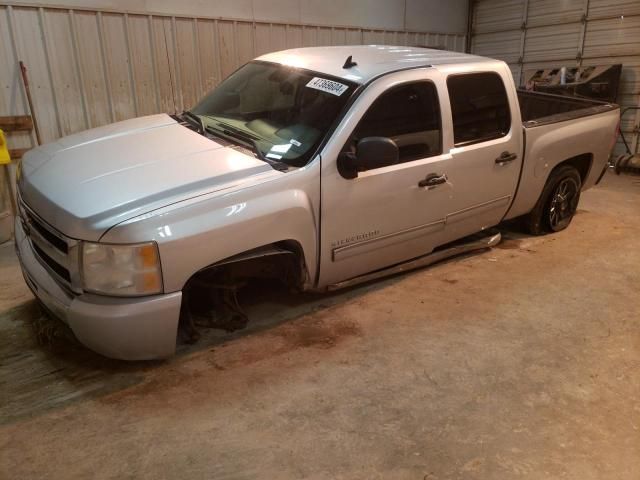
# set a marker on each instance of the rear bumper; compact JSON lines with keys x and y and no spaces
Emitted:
{"x":124,"y":328}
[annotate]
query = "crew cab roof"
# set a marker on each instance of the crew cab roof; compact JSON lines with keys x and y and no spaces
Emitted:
{"x":372,"y":60}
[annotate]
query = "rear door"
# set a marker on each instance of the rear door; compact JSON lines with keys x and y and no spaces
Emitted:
{"x":486,"y":155}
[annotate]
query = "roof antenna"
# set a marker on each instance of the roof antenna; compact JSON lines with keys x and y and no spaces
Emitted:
{"x":349,"y":63}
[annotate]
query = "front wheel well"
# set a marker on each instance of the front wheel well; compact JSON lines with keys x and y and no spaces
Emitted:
{"x":210,"y":296}
{"x":263,"y":262}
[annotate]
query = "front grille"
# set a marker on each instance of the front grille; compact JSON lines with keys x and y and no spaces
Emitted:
{"x":48,"y":236}
{"x":55,"y":266}
{"x":57,"y":253}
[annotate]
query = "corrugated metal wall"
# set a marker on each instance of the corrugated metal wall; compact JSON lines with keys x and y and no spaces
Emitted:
{"x":89,"y":67}
{"x":534,"y":34}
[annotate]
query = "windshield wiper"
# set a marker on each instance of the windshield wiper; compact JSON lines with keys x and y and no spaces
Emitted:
{"x":198,"y":120}
{"x":236,"y":130}
{"x":244,"y":139}
{"x":253,"y":140}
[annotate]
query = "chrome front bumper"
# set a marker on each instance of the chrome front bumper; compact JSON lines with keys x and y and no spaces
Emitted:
{"x":124,"y":328}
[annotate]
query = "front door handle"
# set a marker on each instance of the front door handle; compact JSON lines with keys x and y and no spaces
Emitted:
{"x":506,"y":157}
{"x":433,"y":180}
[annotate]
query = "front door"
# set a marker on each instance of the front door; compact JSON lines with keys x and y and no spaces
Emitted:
{"x":394,"y":213}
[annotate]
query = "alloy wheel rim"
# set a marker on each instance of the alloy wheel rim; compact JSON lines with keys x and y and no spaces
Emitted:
{"x":563,"y":203}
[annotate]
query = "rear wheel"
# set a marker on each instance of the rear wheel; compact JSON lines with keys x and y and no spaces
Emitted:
{"x":557,"y":203}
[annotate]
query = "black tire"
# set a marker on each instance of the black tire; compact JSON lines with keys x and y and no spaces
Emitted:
{"x":557,"y":203}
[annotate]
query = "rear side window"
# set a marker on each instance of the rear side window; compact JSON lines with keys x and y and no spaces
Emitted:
{"x":479,"y":107}
{"x":409,"y":114}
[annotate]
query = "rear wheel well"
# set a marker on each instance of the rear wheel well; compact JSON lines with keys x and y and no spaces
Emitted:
{"x":556,"y":205}
{"x":582,"y":163}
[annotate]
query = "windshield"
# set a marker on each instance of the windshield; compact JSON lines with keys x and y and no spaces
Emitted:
{"x":282,"y":112}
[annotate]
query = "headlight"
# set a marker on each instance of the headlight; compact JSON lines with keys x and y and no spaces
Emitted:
{"x":121,"y":270}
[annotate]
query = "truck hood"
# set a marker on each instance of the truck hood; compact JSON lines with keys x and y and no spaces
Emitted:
{"x":85,"y":183}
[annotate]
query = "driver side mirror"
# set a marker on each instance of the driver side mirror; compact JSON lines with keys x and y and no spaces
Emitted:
{"x":371,"y":152}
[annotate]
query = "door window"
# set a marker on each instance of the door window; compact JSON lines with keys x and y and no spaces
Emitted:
{"x":409,"y":114}
{"x":479,"y":107}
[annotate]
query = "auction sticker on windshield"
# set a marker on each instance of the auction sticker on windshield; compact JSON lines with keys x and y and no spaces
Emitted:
{"x":329,"y":86}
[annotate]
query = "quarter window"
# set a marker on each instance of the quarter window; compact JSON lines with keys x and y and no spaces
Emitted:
{"x":479,"y":107}
{"x":409,"y":114}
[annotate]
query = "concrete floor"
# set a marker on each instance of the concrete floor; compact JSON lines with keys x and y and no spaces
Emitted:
{"x":520,"y":362}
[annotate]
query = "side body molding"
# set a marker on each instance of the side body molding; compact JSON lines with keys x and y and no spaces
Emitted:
{"x":370,"y":244}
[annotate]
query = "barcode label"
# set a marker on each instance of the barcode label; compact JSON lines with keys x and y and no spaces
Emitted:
{"x":329,"y":86}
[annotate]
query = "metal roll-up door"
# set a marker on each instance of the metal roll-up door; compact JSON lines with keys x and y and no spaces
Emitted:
{"x":543,"y":34}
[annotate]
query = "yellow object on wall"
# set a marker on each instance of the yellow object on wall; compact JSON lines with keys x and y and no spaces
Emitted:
{"x":4,"y":150}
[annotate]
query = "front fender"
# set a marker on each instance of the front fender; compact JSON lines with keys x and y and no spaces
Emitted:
{"x":197,"y":234}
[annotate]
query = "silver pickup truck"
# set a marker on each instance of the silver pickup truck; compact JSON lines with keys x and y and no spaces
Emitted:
{"x":320,"y":167}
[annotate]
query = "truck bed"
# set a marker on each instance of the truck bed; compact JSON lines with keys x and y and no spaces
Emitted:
{"x":543,"y":108}
{"x":558,"y":128}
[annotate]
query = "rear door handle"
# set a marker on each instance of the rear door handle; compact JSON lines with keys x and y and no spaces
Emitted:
{"x":506,"y":157}
{"x":433,"y":180}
